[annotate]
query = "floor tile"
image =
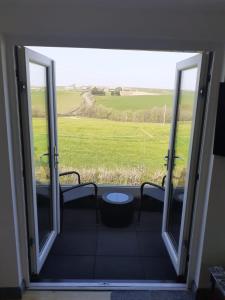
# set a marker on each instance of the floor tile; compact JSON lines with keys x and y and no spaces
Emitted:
{"x":76,"y":243}
{"x":84,"y":296}
{"x":116,"y":267}
{"x":74,"y":219}
{"x":131,"y":227}
{"x":152,"y":295}
{"x":151,"y":244}
{"x":68,"y":267}
{"x":67,"y":295}
{"x":150,"y":221}
{"x":117,"y":243}
{"x":158,"y":268}
{"x":133,"y":252}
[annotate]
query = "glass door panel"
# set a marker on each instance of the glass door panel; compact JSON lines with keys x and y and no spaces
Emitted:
{"x":182,"y":140}
{"x":183,"y":156}
{"x":41,"y":150}
{"x":38,"y":118}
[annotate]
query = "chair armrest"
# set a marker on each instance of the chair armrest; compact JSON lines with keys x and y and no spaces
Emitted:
{"x":80,"y":185}
{"x":163,"y":181}
{"x":151,"y":184}
{"x":71,"y":173}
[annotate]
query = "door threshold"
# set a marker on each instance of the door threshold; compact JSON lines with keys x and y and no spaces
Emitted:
{"x":108,"y":285}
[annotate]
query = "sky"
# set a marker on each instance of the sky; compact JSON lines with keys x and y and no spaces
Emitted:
{"x":112,"y":68}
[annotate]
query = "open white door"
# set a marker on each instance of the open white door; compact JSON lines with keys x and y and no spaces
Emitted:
{"x":37,"y":102}
{"x":182,"y":164}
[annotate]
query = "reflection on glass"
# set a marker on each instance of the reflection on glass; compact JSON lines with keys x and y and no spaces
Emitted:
{"x":40,"y":129}
{"x":181,"y":152}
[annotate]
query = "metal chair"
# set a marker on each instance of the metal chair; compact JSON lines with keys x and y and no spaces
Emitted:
{"x":157,"y":194}
{"x":65,"y":190}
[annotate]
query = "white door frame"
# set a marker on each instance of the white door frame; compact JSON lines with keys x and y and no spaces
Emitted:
{"x":25,"y":56}
{"x":179,"y":256}
{"x":200,"y":212}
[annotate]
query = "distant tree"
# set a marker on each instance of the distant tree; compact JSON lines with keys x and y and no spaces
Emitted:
{"x":117,"y":91}
{"x":96,"y":91}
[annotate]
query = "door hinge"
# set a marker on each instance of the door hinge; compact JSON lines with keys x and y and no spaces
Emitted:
{"x":22,"y":85}
{"x":202,"y":91}
{"x":209,"y":77}
{"x":188,"y":258}
{"x":185,"y":244}
{"x":197,"y":176}
{"x":23,"y":173}
{"x":56,"y":155}
{"x":31,"y":242}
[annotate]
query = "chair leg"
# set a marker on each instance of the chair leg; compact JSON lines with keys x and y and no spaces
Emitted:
{"x":61,"y":219}
{"x":97,"y":215}
{"x":96,"y":205}
{"x":139,"y":214}
{"x":140,"y":206}
{"x":61,"y":211}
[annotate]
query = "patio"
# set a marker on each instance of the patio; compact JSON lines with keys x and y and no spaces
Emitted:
{"x":86,"y":250}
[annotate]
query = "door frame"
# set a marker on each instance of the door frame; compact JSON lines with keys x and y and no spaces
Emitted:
{"x":200,"y":211}
{"x":201,"y":61}
{"x":24,"y":57}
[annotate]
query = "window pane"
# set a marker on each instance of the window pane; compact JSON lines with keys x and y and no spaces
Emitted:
{"x":181,"y":151}
{"x":41,"y":152}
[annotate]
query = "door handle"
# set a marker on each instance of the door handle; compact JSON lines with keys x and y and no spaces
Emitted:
{"x":56,"y":155}
{"x":44,"y":154}
{"x":178,"y":157}
{"x":167,"y":159}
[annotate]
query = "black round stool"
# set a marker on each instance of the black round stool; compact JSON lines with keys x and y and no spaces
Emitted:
{"x":117,"y":209}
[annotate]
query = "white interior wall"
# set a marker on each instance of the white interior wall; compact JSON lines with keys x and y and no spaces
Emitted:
{"x":183,"y":20}
{"x":10,"y":275}
{"x":181,"y":25}
{"x":214,"y":240}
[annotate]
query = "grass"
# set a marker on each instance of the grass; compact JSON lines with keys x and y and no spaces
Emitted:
{"x":134,"y":103}
{"x":112,"y":152}
{"x":67,"y":101}
{"x":109,"y":151}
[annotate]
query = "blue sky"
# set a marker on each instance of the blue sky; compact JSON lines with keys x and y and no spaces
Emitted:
{"x":114,"y":67}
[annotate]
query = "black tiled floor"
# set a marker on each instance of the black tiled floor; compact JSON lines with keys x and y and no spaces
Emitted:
{"x":68,"y":267}
{"x":80,"y":243}
{"x":158,"y":268}
{"x":118,"y":267}
{"x":117,"y":242}
{"x":151,"y":244}
{"x":86,"y":250}
{"x":150,"y":221}
{"x":79,"y":219}
{"x":152,"y":295}
{"x":131,"y":227}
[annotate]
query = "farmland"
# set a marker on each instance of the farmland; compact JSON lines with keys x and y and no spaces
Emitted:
{"x":110,"y":151}
{"x":134,"y":103}
{"x":67,"y":101}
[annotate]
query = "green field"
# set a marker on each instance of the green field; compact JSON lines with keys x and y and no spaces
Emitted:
{"x":144,"y":108}
{"x":112,"y":152}
{"x":144,"y":102}
{"x":108,"y":150}
{"x":67,"y":101}
{"x":134,"y":103}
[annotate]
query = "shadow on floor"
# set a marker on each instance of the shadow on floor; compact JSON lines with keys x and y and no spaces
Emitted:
{"x":86,"y":250}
